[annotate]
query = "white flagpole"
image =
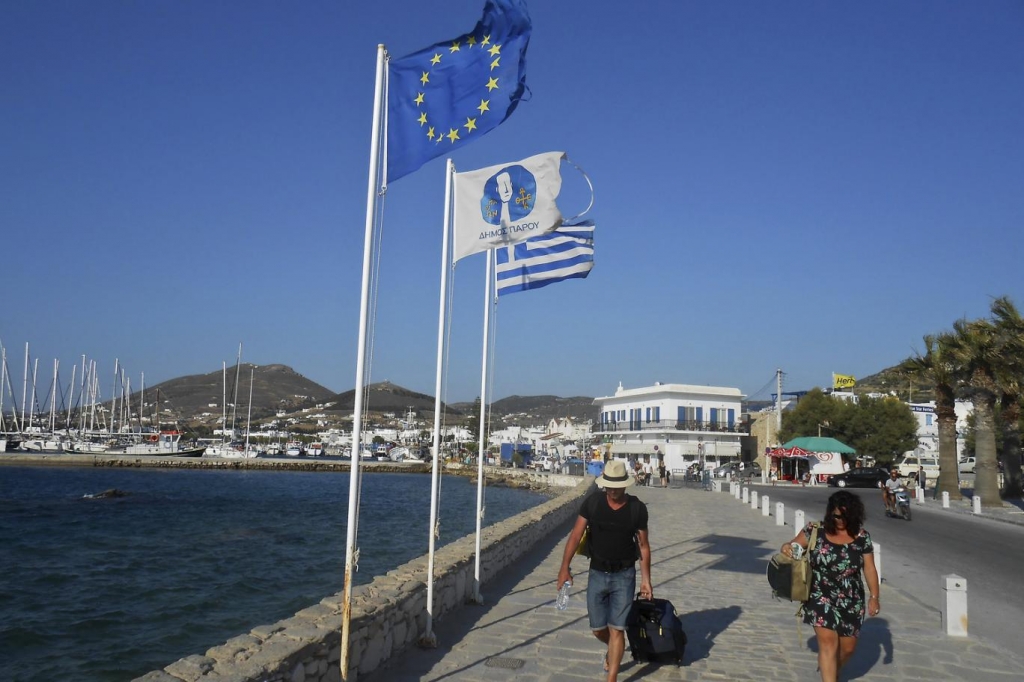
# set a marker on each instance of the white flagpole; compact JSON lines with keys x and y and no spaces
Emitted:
{"x":477,"y":597}
{"x":429,"y":639}
{"x":357,"y":414}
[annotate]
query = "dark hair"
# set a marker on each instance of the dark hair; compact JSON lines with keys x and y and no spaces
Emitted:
{"x":852,"y":509}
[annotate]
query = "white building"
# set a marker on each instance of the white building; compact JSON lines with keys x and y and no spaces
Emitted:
{"x":928,"y":426}
{"x":682,"y":423}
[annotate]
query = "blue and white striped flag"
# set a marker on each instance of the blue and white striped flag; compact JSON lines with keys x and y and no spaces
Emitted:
{"x":565,"y":253}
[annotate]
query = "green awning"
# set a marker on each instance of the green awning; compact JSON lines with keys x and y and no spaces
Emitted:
{"x":820,"y":444}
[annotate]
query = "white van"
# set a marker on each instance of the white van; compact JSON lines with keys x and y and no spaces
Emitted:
{"x":909,"y":464}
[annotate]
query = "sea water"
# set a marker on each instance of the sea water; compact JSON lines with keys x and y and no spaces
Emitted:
{"x":111,"y":588}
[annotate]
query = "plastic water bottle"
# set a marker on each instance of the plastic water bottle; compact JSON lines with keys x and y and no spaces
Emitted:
{"x":563,"y":596}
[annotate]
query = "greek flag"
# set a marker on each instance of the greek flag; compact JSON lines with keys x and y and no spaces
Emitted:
{"x":565,"y":253}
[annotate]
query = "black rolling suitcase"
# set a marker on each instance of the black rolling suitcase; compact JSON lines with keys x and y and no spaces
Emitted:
{"x":655,"y":632}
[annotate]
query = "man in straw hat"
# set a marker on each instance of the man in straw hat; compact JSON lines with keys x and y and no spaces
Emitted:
{"x":617,"y":539}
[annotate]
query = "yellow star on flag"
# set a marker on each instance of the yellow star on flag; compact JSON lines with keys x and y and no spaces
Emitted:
{"x":470,"y":124}
{"x":425,"y":78}
{"x":454,"y":48}
{"x":430,"y":133}
{"x":496,"y":50}
{"x":419,"y":98}
{"x":471,"y":41}
{"x":435,"y":59}
{"x":494,"y":64}
{"x":486,"y":41}
{"x":423,"y":118}
{"x":485,"y":105}
{"x":453,"y":135}
{"x":492,"y":84}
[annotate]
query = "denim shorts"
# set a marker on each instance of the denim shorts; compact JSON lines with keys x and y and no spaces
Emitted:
{"x":609,"y":596}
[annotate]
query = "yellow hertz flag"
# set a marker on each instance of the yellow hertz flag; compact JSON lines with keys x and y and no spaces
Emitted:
{"x":843,"y":381}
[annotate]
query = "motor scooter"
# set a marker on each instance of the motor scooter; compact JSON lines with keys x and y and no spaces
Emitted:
{"x":901,"y":504}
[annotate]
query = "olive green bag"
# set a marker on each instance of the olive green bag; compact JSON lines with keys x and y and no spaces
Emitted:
{"x":790,"y":578}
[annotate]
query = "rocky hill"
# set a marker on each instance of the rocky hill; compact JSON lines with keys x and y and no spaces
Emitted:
{"x":892,"y":381}
{"x":274,"y":387}
{"x":389,"y":397}
{"x":536,"y":410}
{"x":279,"y":387}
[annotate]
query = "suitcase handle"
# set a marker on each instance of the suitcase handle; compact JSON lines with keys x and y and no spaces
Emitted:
{"x":642,"y":600}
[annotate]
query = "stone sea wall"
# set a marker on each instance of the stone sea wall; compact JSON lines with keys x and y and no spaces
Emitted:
{"x":388,"y":615}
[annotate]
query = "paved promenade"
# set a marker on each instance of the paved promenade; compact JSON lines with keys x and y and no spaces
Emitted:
{"x":709,"y":556}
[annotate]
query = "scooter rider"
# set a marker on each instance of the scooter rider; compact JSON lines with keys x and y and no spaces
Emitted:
{"x":889,"y":491}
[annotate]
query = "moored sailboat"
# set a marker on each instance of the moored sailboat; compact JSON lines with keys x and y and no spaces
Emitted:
{"x":164,"y":443}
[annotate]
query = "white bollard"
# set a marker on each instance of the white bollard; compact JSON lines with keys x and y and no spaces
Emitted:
{"x":764,"y":506}
{"x":920,"y":495}
{"x":745,"y":495}
{"x":798,"y":519}
{"x":780,"y":514}
{"x":735,"y":490}
{"x":945,"y":500}
{"x":878,"y":561}
{"x":976,"y":505}
{"x":753,"y":499}
{"x":954,"y":613}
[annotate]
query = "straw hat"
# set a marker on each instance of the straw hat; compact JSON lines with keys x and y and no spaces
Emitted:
{"x":614,"y":476}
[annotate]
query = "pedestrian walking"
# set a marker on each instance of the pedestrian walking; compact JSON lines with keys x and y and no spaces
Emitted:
{"x":617,"y":538}
{"x":836,"y":605}
{"x":663,"y":474}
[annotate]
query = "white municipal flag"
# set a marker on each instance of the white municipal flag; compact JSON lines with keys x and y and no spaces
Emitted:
{"x":565,"y":253}
{"x":506,"y":204}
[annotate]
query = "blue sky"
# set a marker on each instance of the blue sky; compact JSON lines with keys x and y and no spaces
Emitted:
{"x":811,"y":186}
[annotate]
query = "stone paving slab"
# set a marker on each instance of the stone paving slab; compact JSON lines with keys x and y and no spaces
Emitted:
{"x":709,"y":557}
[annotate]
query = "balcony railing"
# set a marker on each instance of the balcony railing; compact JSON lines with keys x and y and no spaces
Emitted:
{"x":669,"y":425}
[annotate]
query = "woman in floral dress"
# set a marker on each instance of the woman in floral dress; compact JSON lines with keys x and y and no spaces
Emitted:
{"x":836,"y":605}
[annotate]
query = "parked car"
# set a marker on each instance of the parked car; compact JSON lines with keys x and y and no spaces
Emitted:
{"x":908,"y":466}
{"x":750,"y":470}
{"x":863,"y":477}
{"x":543,"y":463}
{"x":738,"y":469}
{"x":724,"y":470}
{"x":966,"y":465}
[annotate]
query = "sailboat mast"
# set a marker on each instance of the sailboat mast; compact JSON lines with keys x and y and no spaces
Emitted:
{"x":71,"y":397}
{"x":142,"y":399}
{"x":24,"y":391}
{"x":53,"y":397}
{"x":224,"y":399}
{"x":234,"y":396}
{"x":35,"y":373}
{"x":93,"y":395}
{"x":3,"y":380}
{"x":248,"y":418}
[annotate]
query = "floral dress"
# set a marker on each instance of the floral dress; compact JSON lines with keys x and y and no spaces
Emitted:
{"x":837,"y":601}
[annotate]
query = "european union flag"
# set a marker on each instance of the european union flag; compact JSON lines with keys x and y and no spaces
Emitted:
{"x":453,"y":92}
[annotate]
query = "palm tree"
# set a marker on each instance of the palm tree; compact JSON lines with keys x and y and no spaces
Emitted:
{"x":976,"y":350}
{"x":1010,"y":327}
{"x":936,"y":366}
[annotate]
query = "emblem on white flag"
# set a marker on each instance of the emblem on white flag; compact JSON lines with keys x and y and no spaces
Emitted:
{"x":506,"y":204}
